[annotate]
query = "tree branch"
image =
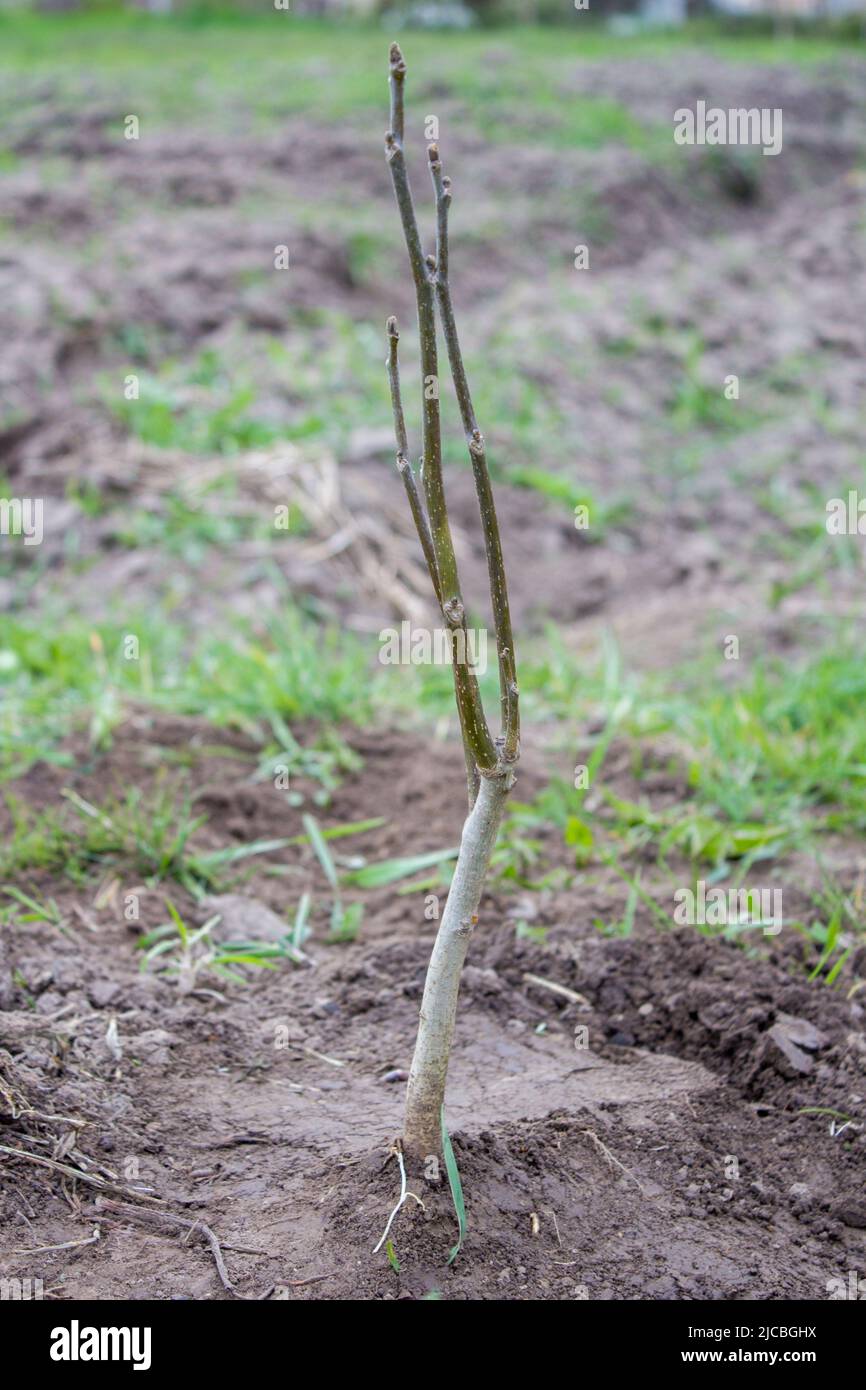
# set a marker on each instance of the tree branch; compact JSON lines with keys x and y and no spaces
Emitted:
{"x":432,"y":468}
{"x":473,"y":725}
{"x":416,"y":506}
{"x":396,"y":80}
{"x":422,"y":526}
{"x":508,"y":688}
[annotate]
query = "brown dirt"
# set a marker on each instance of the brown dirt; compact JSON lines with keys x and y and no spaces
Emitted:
{"x":668,"y":1158}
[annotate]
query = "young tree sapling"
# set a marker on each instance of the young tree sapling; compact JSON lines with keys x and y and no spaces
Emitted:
{"x":490,"y":761}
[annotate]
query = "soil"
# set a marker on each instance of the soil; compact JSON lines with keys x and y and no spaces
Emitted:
{"x":683,"y":1122}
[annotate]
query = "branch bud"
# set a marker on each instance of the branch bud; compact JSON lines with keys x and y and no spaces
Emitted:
{"x":398,"y":62}
{"x":453,"y":611}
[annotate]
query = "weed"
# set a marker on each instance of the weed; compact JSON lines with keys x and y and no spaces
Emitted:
{"x":346,"y":918}
{"x":185,"y":954}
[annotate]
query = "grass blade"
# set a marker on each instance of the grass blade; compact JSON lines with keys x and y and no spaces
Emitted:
{"x":218,"y":858}
{"x":390,"y":870}
{"x":323,"y":854}
{"x":299,"y":932}
{"x":456,"y":1188}
{"x":338,"y":832}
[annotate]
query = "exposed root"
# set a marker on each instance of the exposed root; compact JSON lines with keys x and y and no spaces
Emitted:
{"x":404,"y":1194}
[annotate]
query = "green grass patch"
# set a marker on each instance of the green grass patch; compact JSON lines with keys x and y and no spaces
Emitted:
{"x":260,"y":67}
{"x":767,"y":762}
{"x":58,"y":675}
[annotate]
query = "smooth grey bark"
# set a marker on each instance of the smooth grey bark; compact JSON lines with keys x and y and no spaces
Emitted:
{"x":425,"y":1092}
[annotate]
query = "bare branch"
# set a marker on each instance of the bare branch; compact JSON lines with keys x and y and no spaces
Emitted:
{"x":476,"y":734}
{"x":396,"y":79}
{"x":416,"y":506}
{"x":432,"y":443}
{"x":422,"y":526}
{"x":473,"y":780}
{"x":495,"y":567}
{"x":394,"y":381}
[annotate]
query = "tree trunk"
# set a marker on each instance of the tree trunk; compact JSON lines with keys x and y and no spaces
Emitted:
{"x":426,"y":1089}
